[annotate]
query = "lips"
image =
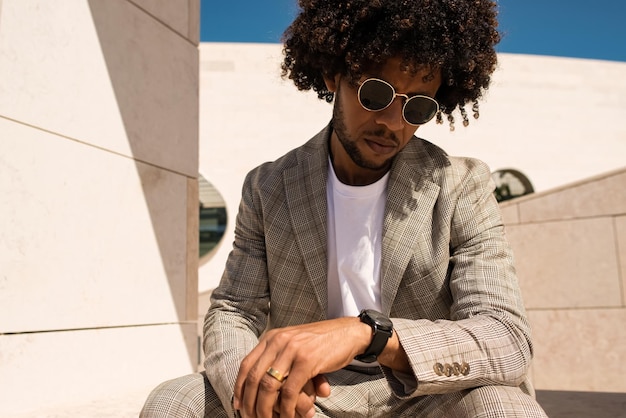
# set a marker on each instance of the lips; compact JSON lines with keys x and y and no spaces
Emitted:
{"x":381,"y":146}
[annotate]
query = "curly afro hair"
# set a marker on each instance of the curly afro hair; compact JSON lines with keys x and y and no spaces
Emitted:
{"x":354,"y":37}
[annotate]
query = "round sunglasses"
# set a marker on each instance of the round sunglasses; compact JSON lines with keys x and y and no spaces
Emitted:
{"x":376,"y":95}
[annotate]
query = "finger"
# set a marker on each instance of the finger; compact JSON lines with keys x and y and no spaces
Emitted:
{"x":309,"y":414}
{"x":309,"y":388}
{"x":267,"y":396}
{"x":306,"y":400}
{"x":276,"y":364}
{"x":290,"y":392}
{"x":276,"y":408}
{"x":269,"y":389}
{"x":322,"y":387}
{"x":306,"y":407}
{"x":258,"y":379}
{"x":260,"y":389}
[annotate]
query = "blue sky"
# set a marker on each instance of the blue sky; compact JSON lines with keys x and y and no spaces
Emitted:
{"x":569,"y":28}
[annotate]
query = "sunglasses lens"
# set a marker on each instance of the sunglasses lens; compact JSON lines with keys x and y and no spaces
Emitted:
{"x":375,"y":95}
{"x":420,"y":109}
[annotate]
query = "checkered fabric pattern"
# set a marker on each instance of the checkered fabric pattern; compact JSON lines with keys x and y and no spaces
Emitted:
{"x":354,"y":395}
{"x":189,"y":396}
{"x":447,"y":282}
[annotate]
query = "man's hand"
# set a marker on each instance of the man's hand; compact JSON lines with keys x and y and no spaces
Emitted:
{"x":305,"y":407}
{"x":300,"y":352}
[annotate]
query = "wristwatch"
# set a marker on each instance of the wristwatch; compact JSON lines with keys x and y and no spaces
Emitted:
{"x":382,"y":328}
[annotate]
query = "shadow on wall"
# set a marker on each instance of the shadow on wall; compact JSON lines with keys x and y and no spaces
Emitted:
{"x":155,"y":85}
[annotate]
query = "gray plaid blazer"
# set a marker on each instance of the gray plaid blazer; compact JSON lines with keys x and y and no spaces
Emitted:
{"x":447,"y":275}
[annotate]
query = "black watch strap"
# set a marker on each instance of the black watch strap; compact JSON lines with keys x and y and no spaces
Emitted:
{"x":382,"y":329}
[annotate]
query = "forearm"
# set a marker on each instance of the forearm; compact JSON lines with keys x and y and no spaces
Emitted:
{"x":226,"y":343}
{"x":229,"y":335}
{"x":485,"y":324}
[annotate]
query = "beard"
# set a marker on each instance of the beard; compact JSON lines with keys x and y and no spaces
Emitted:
{"x":349,"y":144}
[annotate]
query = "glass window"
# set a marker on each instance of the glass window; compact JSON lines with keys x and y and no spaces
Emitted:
{"x":213,"y":217}
{"x":510,"y":183}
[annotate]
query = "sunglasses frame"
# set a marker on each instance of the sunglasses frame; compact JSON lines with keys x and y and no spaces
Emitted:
{"x":406,"y":98}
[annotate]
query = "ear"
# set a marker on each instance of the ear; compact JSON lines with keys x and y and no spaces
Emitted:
{"x":332,"y":82}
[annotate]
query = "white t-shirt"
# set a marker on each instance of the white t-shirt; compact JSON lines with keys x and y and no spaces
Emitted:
{"x":355,"y":224}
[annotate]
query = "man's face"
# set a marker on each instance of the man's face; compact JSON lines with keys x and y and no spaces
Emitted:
{"x":364,"y":143}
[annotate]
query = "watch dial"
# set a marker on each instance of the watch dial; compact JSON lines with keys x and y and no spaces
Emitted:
{"x":380,"y":319}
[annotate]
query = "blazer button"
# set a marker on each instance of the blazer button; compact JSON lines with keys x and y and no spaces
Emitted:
{"x":456,"y":368}
{"x":438,"y":368}
{"x":447,"y":370}
{"x":465,"y":369}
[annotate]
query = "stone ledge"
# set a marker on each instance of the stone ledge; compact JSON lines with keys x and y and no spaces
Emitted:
{"x":571,"y":404}
{"x":122,"y":406}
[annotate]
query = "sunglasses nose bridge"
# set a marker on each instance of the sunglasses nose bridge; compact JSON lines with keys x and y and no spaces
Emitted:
{"x":403,"y":99}
{"x":393,"y":114}
{"x":404,"y":96}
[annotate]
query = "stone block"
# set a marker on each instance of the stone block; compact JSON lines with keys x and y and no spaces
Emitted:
{"x":54,"y":370}
{"x":69,"y":69}
{"x":567,"y":264}
{"x":89,"y":238}
{"x":579,"y":349}
{"x":601,"y":196}
{"x":620,"y":232}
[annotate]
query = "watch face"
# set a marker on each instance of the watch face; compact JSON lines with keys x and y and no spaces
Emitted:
{"x":379,"y":319}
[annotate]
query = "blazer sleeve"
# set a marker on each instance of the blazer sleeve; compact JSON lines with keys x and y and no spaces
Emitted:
{"x":240,"y":304}
{"x":486,"y":339}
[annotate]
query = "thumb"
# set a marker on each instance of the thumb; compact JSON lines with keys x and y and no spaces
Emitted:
{"x":322,"y":387}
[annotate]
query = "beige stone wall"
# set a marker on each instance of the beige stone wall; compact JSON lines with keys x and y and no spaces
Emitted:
{"x":98,"y":197}
{"x":570,"y":248}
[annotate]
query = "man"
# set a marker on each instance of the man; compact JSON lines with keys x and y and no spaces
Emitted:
{"x":370,"y":274}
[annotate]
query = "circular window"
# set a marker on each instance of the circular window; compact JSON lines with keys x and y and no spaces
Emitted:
{"x":213,"y":216}
{"x":510,"y":183}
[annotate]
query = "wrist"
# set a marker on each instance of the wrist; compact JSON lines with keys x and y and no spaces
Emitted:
{"x":365,"y":337}
{"x":394,"y":356}
{"x":380,"y":330}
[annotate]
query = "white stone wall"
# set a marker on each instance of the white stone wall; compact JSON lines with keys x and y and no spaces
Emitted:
{"x":98,"y":198}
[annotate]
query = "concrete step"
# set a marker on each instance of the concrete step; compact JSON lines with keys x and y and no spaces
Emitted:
{"x":570,"y":404}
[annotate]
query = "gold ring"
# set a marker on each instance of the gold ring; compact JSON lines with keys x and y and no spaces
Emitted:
{"x":276,"y":374}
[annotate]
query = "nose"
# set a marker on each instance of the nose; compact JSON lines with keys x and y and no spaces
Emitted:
{"x":391,"y":117}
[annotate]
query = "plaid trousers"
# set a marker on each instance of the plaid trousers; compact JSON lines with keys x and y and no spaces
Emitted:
{"x":353,"y":395}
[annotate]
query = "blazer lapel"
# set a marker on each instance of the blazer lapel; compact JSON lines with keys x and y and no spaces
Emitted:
{"x":305,"y":191}
{"x":411,"y":196}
